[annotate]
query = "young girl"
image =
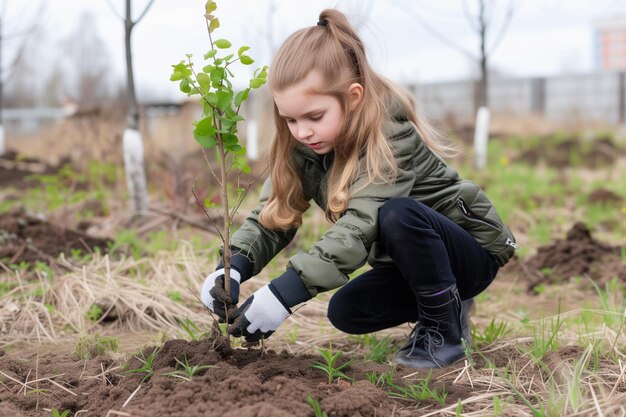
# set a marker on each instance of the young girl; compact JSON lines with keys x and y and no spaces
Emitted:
{"x":350,"y":140}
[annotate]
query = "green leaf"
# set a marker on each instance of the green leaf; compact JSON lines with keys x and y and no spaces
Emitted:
{"x":216,"y":77}
{"x":181,"y":70}
{"x":184,"y":86}
{"x":223,"y":99}
{"x":215,"y":23}
{"x":261,"y":72}
{"x":208,"y":203}
{"x":176,"y":75}
{"x":222,"y":43}
{"x":204,"y":81}
{"x":211,"y":98}
{"x":246,"y":60}
{"x":257,"y":82}
{"x":242,"y":50}
{"x":210,"y":54}
{"x":229,"y":57}
{"x":242,"y":165}
{"x":218,"y":61}
{"x":204,"y":132}
{"x":238,"y":149}
{"x":241,"y":97}
{"x":210,"y":6}
{"x":209,"y":68}
{"x":229,"y":139}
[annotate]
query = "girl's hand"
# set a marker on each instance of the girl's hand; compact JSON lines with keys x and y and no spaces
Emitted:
{"x":259,"y":316}
{"x":214,"y":296}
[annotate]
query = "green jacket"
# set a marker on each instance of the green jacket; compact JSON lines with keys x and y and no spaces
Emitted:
{"x":353,"y":240}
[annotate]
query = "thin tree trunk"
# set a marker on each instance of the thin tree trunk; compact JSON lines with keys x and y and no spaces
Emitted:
{"x":132,"y":141}
{"x":483,"y":100}
{"x":227,"y":220}
{"x":133,"y":110}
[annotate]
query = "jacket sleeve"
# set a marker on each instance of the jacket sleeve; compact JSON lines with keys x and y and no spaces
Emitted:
{"x":256,"y":242}
{"x":345,"y":245}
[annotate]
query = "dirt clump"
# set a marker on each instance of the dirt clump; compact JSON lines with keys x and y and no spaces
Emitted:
{"x":579,"y":254}
{"x":604,"y":197}
{"x":26,"y":238}
{"x":15,"y":170}
{"x":572,"y":151}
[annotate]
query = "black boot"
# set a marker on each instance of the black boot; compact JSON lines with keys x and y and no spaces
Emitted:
{"x":436,"y":340}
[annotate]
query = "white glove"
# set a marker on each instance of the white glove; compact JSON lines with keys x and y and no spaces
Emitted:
{"x":259,"y":316}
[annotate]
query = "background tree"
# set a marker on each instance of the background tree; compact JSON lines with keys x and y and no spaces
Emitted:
{"x":133,"y":143}
{"x":481,"y":22}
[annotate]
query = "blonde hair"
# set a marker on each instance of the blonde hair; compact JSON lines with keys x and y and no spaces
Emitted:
{"x":327,"y":47}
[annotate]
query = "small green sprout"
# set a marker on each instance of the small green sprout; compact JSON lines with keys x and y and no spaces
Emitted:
{"x":315,"y":405}
{"x":94,"y":313}
{"x":186,"y":371}
{"x":329,"y":368}
{"x":191,"y":328}
{"x":420,"y":391}
{"x":147,"y":367}
{"x":382,"y":379}
{"x":380,"y":350}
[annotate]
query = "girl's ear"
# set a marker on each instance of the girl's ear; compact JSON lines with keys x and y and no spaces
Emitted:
{"x":355,"y":95}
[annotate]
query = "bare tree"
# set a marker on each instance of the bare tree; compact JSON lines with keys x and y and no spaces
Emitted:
{"x":481,"y":24}
{"x":133,"y":144}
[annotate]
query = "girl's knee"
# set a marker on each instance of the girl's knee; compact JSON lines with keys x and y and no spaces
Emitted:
{"x":339,"y":313}
{"x":393,"y":214}
{"x":394,"y":209}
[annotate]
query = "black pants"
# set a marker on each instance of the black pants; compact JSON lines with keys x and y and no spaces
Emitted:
{"x":429,"y":252}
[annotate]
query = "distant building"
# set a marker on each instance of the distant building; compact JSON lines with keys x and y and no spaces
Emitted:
{"x":610,"y":43}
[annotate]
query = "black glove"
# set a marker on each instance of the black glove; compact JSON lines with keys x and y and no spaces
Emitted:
{"x":214,"y":297}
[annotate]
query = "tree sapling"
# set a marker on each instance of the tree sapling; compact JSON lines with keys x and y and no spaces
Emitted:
{"x":217,"y":129}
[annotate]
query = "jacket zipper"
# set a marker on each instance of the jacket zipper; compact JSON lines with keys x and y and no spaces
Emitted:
{"x":469,"y":214}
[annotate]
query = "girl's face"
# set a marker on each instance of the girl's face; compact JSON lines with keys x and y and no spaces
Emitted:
{"x":314,"y":119}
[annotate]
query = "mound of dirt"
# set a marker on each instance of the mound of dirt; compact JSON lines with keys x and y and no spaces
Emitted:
{"x":604,"y":197}
{"x":14,"y":171}
{"x":239,"y":382}
{"x":600,"y":152}
{"x":27,"y":238}
{"x":579,"y":254}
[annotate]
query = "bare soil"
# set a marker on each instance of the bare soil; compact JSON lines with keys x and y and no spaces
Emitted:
{"x":15,"y":171}
{"x":242,"y":382}
{"x":24,"y":237}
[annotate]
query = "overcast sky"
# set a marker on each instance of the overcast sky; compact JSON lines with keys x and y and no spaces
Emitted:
{"x":545,"y":37}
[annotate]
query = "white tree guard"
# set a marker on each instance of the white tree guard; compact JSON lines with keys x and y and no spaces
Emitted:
{"x":252,"y":140}
{"x":135,"y":173}
{"x":481,"y":137}
{"x":3,"y":145}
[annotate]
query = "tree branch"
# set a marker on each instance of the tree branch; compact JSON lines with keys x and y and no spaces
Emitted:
{"x":141,"y":16}
{"x":434,"y":32}
{"x":509,"y":16}
{"x":468,"y":15}
{"x":114,"y":10}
